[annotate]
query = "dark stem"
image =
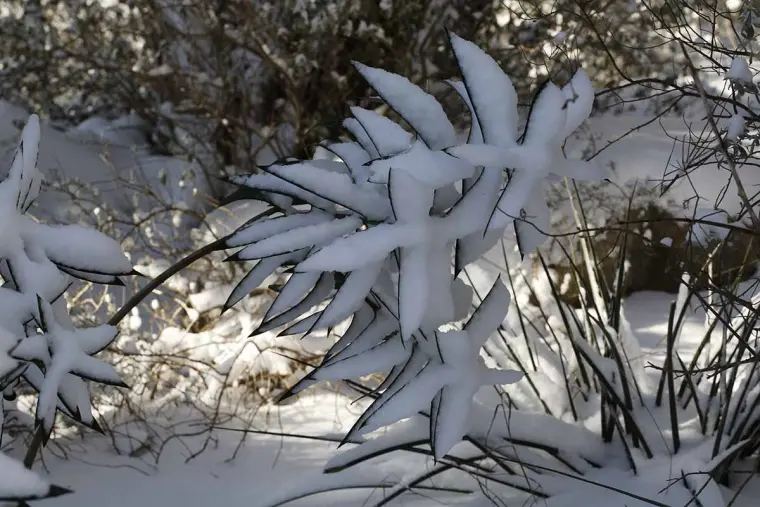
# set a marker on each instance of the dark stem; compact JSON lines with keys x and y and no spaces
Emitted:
{"x":34,"y":447}
{"x":160,"y":279}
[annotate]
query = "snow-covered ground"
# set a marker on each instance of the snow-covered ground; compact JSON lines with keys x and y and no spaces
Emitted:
{"x":240,"y":470}
{"x":226,"y":474}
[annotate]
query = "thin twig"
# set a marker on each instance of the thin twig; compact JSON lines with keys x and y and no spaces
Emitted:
{"x":721,"y":145}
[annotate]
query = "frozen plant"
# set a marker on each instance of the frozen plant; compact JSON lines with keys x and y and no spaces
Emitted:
{"x":380,"y":228}
{"x":39,"y":344}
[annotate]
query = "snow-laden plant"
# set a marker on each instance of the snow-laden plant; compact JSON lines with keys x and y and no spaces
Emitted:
{"x":39,"y":344}
{"x":379,"y":230}
{"x":384,"y":230}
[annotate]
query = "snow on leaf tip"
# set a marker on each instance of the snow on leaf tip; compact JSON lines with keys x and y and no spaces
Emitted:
{"x":417,"y":107}
{"x":17,"y":483}
{"x":490,"y":92}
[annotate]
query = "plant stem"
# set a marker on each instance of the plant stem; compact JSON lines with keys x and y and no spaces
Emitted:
{"x":160,"y":279}
{"x":34,"y":447}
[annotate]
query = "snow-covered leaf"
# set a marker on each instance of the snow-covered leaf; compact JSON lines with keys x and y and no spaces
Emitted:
{"x":416,"y":107}
{"x":379,"y":358}
{"x":475,"y":135}
{"x":491,"y":312}
{"x":365,"y":332}
{"x":362,"y":137}
{"x":436,"y":169}
{"x":24,"y":177}
{"x":317,"y":295}
{"x":67,"y":353}
{"x":547,"y":118}
{"x":18,"y":484}
{"x":263,"y":229}
{"x":80,"y":249}
{"x":361,"y":248}
{"x":579,"y":93}
{"x":388,"y":138}
{"x":413,"y":289}
{"x":410,"y":198}
{"x":412,"y":432}
{"x":294,"y":290}
{"x":350,"y":296}
{"x":333,"y":187}
{"x":256,"y":276}
{"x":490,"y":91}
{"x":355,"y":157}
{"x":299,"y":238}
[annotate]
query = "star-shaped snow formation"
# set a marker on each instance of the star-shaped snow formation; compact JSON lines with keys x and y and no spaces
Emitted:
{"x":380,"y":224}
{"x":416,"y":177}
{"x":35,"y":258}
{"x":400,"y":189}
{"x":442,"y":373}
{"x":554,"y":115}
{"x":61,"y":351}
{"x":424,"y":243}
{"x":36,"y":262}
{"x":383,"y":148}
{"x":449,"y":382}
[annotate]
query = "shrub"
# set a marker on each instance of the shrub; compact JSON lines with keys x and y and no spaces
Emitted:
{"x":40,"y":344}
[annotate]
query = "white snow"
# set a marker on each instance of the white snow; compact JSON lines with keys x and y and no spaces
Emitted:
{"x":736,"y":127}
{"x":92,"y":157}
{"x":294,"y":290}
{"x":386,"y":136}
{"x":361,"y":135}
{"x":350,"y":296}
{"x":490,"y":91}
{"x":333,"y":187}
{"x":63,"y":245}
{"x":264,"y":467}
{"x":300,"y":237}
{"x":434,"y":168}
{"x":263,"y":229}
{"x":658,"y":146}
{"x":18,"y":482}
{"x":418,"y":108}
{"x":740,"y":72}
